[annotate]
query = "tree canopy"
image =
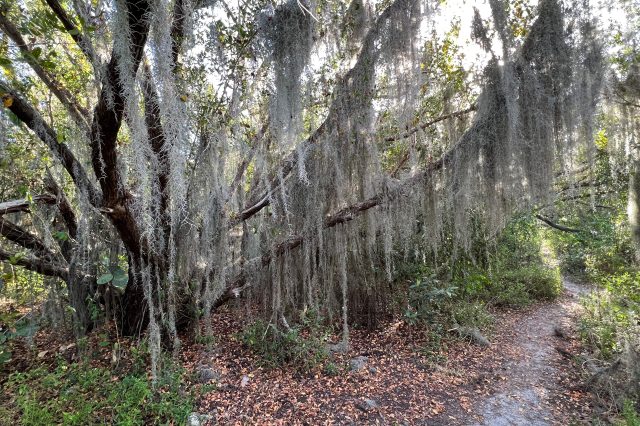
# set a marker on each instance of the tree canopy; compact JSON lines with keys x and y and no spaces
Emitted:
{"x":175,"y":155}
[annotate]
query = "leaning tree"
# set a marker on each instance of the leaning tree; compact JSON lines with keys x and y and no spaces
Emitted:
{"x":277,"y":151}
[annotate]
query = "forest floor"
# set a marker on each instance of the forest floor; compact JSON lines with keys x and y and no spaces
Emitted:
{"x":527,"y":376}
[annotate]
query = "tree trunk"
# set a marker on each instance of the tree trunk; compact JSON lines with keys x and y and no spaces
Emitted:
{"x":633,"y":207}
{"x":133,"y":315}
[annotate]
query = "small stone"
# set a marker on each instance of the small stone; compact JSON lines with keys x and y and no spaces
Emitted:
{"x":367,"y":404}
{"x":207,"y":374}
{"x":197,"y":419}
{"x":245,"y":381}
{"x":193,"y":419}
{"x":358,"y":363}
{"x":337,"y":347}
{"x":373,"y":370}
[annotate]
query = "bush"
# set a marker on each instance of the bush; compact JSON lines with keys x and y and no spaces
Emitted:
{"x":78,"y":394}
{"x":537,"y":281}
{"x":301,"y":346}
{"x":473,"y":314}
{"x":427,"y":296}
{"x":511,"y":286}
{"x":608,"y":325}
{"x":601,"y":324}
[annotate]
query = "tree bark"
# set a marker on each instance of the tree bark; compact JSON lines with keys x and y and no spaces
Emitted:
{"x":633,"y":207}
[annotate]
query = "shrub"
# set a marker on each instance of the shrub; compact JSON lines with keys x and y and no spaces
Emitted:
{"x":78,"y":394}
{"x":427,"y":296}
{"x":301,"y":346}
{"x":472,"y":314}
{"x":511,"y":294}
{"x":537,"y":281}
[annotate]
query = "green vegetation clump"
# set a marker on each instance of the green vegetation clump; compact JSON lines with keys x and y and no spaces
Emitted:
{"x":303,"y":346}
{"x":601,"y":253}
{"x":79,"y":394}
{"x":511,"y":272}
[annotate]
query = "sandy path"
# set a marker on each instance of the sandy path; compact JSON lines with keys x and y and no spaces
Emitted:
{"x":524,"y":398}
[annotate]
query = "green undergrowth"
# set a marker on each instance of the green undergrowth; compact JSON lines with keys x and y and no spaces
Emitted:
{"x":460,"y":291}
{"x":79,"y":394}
{"x":601,"y":253}
{"x":508,"y":272}
{"x":455,"y":291}
{"x":302,"y":345}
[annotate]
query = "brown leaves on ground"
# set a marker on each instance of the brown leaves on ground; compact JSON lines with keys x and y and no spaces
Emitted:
{"x":397,"y":386}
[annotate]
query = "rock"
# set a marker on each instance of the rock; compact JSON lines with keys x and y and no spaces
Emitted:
{"x":193,"y":419}
{"x":559,"y":331}
{"x":207,"y":374}
{"x":367,"y":404}
{"x":474,"y":334}
{"x":197,"y":419}
{"x":358,"y":363}
{"x":337,"y":347}
{"x":245,"y":381}
{"x":373,"y":370}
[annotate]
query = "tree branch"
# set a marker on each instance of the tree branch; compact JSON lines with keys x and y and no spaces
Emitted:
{"x":238,"y":284}
{"x":16,"y":234}
{"x":405,"y":157}
{"x":36,"y":265}
{"x":177,"y":30}
{"x":431,"y":123}
{"x":64,"y":207}
{"x":107,"y":117}
{"x":32,"y":119}
{"x":78,"y":114}
{"x":554,"y":225}
{"x":68,"y":23}
{"x":343,"y":94}
{"x":22,"y":205}
{"x":156,"y":134}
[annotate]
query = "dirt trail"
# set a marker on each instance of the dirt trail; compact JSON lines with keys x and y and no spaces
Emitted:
{"x":520,"y":379}
{"x":525,"y":397}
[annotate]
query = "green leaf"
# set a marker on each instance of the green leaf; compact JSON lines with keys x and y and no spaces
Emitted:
{"x":5,"y":62}
{"x":48,"y":64}
{"x":26,"y":329}
{"x":16,"y":258}
{"x":120,"y":277}
{"x":36,"y":52}
{"x":14,"y":118}
{"x":61,"y":235}
{"x":74,"y":31}
{"x":103,"y":279}
{"x":118,"y":271}
{"x":120,"y":282}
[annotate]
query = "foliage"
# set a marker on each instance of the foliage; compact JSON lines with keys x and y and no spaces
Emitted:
{"x":426,"y":299}
{"x":630,"y":414}
{"x":79,"y":394}
{"x":600,"y":248}
{"x":507,"y":272}
{"x":303,"y":346}
{"x":601,"y":253}
{"x":473,"y":314}
{"x":514,"y":272}
{"x":537,"y":281}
